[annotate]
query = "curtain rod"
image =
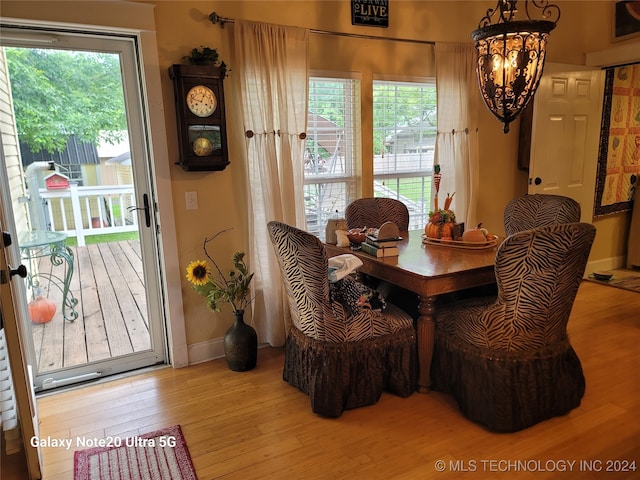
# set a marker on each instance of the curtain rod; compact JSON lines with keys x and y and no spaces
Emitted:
{"x":215,"y":18}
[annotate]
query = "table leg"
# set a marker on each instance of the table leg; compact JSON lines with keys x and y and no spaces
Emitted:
{"x":62,"y":254}
{"x":426,"y":329}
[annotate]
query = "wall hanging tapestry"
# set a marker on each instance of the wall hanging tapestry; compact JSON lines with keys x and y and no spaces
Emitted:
{"x":619,"y":155}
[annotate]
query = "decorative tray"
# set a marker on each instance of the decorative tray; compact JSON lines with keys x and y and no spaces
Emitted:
{"x":491,"y":242}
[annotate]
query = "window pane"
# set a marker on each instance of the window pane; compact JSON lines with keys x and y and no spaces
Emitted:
{"x":322,"y":201}
{"x":404,"y":116}
{"x":332,"y":137}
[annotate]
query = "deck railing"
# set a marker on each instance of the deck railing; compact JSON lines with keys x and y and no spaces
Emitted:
{"x":93,"y":210}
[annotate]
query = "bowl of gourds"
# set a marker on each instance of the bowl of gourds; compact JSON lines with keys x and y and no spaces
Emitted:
{"x":357,"y":235}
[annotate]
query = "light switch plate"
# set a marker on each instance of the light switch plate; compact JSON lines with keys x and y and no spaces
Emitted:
{"x":191,"y":200}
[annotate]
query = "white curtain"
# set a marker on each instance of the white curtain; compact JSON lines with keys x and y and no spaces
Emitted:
{"x":457,"y":139}
{"x":272,"y":64}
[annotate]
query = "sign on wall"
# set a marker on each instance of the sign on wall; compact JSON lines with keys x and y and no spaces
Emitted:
{"x":626,"y":17}
{"x":373,"y":13}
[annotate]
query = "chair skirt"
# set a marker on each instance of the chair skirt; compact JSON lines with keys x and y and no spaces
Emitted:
{"x":508,"y":391}
{"x":342,"y":376}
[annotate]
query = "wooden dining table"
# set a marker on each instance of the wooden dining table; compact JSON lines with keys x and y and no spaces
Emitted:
{"x":428,"y":270}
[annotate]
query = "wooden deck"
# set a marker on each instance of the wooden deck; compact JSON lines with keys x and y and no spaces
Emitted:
{"x":108,"y":283}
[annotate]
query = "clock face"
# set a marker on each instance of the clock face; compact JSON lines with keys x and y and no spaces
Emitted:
{"x":202,"y":147}
{"x":201,"y":101}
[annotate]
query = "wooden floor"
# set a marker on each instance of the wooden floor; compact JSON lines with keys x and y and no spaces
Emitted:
{"x":252,"y":425}
{"x":112,"y":312}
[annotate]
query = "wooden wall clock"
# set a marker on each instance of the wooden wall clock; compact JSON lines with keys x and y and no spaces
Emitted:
{"x":202,"y":132}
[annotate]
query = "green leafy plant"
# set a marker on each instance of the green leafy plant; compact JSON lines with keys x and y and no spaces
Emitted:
{"x":442,"y":216}
{"x":217,"y":287}
{"x":203,"y":56}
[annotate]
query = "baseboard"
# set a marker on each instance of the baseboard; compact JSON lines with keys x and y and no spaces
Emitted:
{"x":179,"y":355}
{"x":205,"y":351}
{"x":605,"y":264}
{"x":12,"y":442}
{"x":210,"y":350}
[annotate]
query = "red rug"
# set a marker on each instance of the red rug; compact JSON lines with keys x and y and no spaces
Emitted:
{"x":161,"y":455}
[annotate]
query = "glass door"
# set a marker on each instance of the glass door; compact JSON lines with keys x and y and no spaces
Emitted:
{"x":76,"y":160}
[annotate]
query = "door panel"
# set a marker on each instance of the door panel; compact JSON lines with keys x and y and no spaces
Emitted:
{"x":565,"y":136}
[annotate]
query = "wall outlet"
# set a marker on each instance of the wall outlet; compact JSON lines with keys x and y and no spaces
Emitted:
{"x":191,"y":200}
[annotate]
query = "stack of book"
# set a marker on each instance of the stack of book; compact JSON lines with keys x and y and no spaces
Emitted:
{"x":384,"y":242}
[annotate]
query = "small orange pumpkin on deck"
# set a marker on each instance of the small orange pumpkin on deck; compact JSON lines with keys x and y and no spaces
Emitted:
{"x":41,"y":310}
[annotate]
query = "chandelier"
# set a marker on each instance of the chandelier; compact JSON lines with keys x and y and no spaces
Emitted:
{"x":511,"y":55}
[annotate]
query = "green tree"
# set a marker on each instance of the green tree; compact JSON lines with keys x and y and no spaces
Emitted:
{"x":403,"y":106}
{"x":59,"y":93}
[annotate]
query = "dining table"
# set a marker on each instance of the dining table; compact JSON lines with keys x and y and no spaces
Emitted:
{"x":429,"y":269}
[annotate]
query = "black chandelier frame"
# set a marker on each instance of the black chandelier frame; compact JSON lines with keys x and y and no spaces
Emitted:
{"x":511,"y":55}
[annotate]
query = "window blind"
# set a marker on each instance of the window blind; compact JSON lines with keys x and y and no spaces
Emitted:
{"x":333,"y":139}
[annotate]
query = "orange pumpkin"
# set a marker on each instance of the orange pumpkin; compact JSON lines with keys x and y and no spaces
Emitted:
{"x":439,"y":230}
{"x":41,"y":310}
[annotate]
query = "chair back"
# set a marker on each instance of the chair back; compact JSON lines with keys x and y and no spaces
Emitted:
{"x":538,"y":273}
{"x":373,"y":212}
{"x":539,"y":210}
{"x":304,"y":269}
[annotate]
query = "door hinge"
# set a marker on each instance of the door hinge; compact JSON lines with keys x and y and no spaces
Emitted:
{"x":6,"y":239}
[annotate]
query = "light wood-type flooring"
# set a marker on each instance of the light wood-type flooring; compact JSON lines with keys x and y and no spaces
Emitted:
{"x":253,"y":425}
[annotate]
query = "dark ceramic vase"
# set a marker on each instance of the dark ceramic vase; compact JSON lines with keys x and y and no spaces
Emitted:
{"x":240,"y":345}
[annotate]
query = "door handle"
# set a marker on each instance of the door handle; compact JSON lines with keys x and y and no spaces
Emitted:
{"x":147,"y":213}
{"x":21,"y":271}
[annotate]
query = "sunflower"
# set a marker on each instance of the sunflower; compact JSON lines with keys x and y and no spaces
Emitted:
{"x":198,"y":272}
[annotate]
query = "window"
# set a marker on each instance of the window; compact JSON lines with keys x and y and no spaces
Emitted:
{"x":74,"y":172}
{"x":404,"y":136}
{"x":333,"y":140}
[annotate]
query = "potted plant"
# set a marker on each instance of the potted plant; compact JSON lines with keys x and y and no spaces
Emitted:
{"x":240,"y":340}
{"x":202,"y":56}
{"x":205,"y":56}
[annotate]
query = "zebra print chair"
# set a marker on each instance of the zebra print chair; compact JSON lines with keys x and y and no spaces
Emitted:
{"x":507,"y":360}
{"x":341,"y":358}
{"x":373,"y":212}
{"x":539,"y":210}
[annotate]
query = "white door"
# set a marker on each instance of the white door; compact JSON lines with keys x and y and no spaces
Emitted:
{"x":10,"y":288}
{"x":565,"y":135}
{"x":151,"y":348}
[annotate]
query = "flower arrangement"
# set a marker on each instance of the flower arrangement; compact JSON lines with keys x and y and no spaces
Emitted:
{"x":441,"y":220}
{"x":442,"y":216}
{"x":218,"y":288}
